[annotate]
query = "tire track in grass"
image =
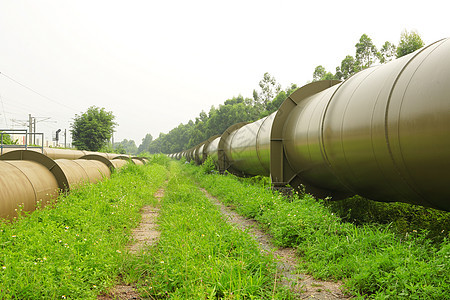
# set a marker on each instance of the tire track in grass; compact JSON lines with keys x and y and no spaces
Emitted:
{"x":145,"y":235}
{"x":301,"y":284}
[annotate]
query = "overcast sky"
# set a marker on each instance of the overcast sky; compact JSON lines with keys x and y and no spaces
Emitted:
{"x":156,"y":64}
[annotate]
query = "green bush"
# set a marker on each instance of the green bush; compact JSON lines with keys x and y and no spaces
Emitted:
{"x":208,"y":165}
{"x":402,"y":217}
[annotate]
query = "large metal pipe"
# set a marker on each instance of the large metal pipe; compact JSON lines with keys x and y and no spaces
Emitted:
{"x":212,"y":150}
{"x":55,"y":153}
{"x":248,"y":148}
{"x":199,"y":153}
{"x":24,"y":183}
{"x":28,"y":177}
{"x":383,"y":134}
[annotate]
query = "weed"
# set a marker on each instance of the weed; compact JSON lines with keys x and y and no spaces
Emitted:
{"x":74,"y":249}
{"x":374,"y":260}
{"x":199,"y":255}
{"x":208,"y":165}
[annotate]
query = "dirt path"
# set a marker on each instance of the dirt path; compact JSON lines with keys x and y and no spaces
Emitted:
{"x":301,"y":284}
{"x":145,"y":235}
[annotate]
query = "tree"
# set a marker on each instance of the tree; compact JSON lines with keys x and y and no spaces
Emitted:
{"x":7,"y":140}
{"x":347,"y":69}
{"x":319,"y":72}
{"x":269,"y":89}
{"x":92,"y":129}
{"x":145,"y":143}
{"x":387,"y":52}
{"x":126,"y":146}
{"x":409,"y":42}
{"x":366,"y":52}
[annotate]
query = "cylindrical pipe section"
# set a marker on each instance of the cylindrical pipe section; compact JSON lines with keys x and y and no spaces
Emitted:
{"x":248,"y":147}
{"x":212,"y":150}
{"x":24,"y":183}
{"x":137,"y":161}
{"x":199,"y":154}
{"x":119,"y":163}
{"x":383,"y":134}
{"x":81,"y":171}
{"x":55,"y":153}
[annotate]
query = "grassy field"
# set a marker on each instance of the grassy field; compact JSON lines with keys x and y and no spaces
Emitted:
{"x":375,"y":260}
{"x":200,"y":255}
{"x":77,"y":249}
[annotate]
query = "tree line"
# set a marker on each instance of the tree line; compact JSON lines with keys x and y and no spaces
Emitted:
{"x":270,"y":95}
{"x":366,"y":54}
{"x":93,"y":129}
{"x":237,"y":109}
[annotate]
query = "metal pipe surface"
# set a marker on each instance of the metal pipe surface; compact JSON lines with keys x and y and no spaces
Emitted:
{"x":383,"y":134}
{"x":248,"y":148}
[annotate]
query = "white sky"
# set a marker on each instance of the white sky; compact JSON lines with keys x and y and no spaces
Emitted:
{"x":156,"y":64}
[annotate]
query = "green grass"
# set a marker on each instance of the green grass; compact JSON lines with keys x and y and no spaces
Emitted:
{"x":75,"y":249}
{"x":374,"y":260}
{"x":199,"y":255}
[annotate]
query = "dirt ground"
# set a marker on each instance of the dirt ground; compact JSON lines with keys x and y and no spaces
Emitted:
{"x":146,"y":234}
{"x":303,"y":285}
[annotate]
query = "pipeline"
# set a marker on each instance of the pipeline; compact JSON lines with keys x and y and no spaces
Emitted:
{"x":383,"y":134}
{"x":29,"y":177}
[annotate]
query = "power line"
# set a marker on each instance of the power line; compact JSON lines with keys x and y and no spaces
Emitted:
{"x":37,"y":93}
{"x":4,"y":114}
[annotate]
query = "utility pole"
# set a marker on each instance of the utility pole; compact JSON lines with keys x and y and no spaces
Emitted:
{"x":65,"y":138}
{"x":30,"y":129}
{"x":57,"y":137}
{"x":34,"y":131}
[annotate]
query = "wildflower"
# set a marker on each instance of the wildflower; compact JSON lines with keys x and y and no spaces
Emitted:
{"x":45,"y":258}
{"x":14,"y":236}
{"x":4,"y":267}
{"x":118,"y":251}
{"x":67,"y":227}
{"x":63,"y":296}
{"x":162,"y":261}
